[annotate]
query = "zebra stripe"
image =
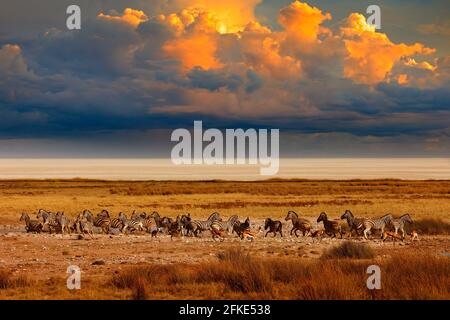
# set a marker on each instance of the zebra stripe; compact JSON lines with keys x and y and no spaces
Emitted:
{"x":49,"y":219}
{"x":63,"y":222}
{"x":31,"y":225}
{"x":377,"y":224}
{"x":132,"y":224}
{"x":354,"y":223}
{"x":100,"y":221}
{"x":198,"y":226}
{"x":225,"y":225}
{"x":399,"y":224}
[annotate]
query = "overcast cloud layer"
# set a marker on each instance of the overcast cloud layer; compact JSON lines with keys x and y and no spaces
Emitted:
{"x":137,"y":69}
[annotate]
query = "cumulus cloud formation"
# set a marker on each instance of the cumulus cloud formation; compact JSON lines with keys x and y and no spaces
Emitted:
{"x":141,"y":68}
{"x":371,"y":55}
{"x":130,"y":16}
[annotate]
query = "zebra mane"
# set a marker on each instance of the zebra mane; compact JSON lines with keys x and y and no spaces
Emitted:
{"x":405,"y":215}
{"x":293,"y":213}
{"x":213,"y":216}
{"x":155,"y":214}
{"x":386,"y":216}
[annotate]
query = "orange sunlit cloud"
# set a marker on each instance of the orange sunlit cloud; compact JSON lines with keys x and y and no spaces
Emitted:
{"x":233,"y":14}
{"x":368,"y":56}
{"x":371,"y":55}
{"x":195,"y":51}
{"x":303,"y":22}
{"x":261,"y":49}
{"x":11,"y":60}
{"x":130,"y":16}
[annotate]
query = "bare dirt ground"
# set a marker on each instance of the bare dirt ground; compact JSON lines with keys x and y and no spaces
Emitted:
{"x":44,"y":258}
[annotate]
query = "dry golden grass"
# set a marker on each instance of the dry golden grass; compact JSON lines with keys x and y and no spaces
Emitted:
{"x":350,"y":250}
{"x":239,"y":276}
{"x":234,"y":274}
{"x":272,"y":198}
{"x":7,"y":281}
{"x":430,"y":226}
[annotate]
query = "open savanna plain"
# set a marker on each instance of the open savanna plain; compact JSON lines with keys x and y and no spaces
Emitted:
{"x":137,"y":266}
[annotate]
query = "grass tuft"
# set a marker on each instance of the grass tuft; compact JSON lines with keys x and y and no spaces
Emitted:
{"x":430,"y":226}
{"x":350,"y":249}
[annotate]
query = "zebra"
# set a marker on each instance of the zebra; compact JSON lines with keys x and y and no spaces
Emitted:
{"x":63,"y":222}
{"x":354,"y":223}
{"x":239,"y":228}
{"x":119,"y":222}
{"x":198,"y":226}
{"x":377,"y":224}
{"x":399,"y":224}
{"x":273,"y":226}
{"x":132,"y":224}
{"x":298,"y":224}
{"x":225,"y":225}
{"x":102,"y":220}
{"x":331,"y":227}
{"x":148,"y":223}
{"x":83,"y":225}
{"x":186,"y":227}
{"x":31,"y":225}
{"x":175,"y":228}
{"x":162,"y":223}
{"x":49,"y":219}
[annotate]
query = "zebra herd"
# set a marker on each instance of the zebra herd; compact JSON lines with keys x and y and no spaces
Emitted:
{"x":86,"y":223}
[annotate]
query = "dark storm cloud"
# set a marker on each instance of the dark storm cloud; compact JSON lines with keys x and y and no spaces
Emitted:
{"x":112,"y":77}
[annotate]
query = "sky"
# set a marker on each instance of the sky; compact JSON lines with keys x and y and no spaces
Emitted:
{"x":139,"y":69}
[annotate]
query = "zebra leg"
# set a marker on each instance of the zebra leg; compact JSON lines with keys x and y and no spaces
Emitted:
{"x":366,"y":230}
{"x":266,"y":234}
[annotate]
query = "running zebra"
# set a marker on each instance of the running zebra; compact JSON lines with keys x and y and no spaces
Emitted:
{"x":273,"y":227}
{"x":198,"y":226}
{"x":63,"y":222}
{"x":298,"y":224}
{"x":186,"y":227}
{"x":377,"y":224}
{"x":48,"y":219}
{"x":148,"y":223}
{"x":399,"y":224}
{"x":332,"y":227}
{"x":83,"y":226}
{"x":102,"y":220}
{"x":239,"y":227}
{"x":119,"y":222}
{"x":225,"y":225}
{"x":31,"y":225}
{"x":354,"y":223}
{"x":133,"y":224}
{"x":161,"y":223}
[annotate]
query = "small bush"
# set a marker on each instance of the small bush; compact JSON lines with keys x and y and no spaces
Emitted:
{"x":430,"y":226}
{"x":8,"y":282}
{"x":350,"y":250}
{"x":139,"y":290}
